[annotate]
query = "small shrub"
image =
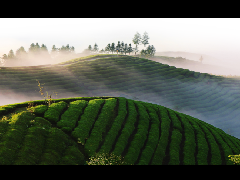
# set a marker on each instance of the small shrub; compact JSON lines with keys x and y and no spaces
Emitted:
{"x":106,"y":159}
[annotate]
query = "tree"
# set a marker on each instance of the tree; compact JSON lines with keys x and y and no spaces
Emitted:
{"x":11,"y":54}
{"x":122,"y":47}
{"x":95,"y":49}
{"x":143,"y":53}
{"x":108,"y":48}
{"x":90,"y":48}
{"x":102,"y":51}
{"x":136,"y":40}
{"x":72,"y":49}
{"x":118,"y":47}
{"x":21,"y":53}
{"x":125,"y":49}
{"x":148,"y":52}
{"x":130,"y":49}
{"x":153,"y":50}
{"x":145,"y":38}
{"x":201,"y":58}
{"x":54,"y":51}
{"x":34,"y":49}
{"x":112,"y":48}
{"x":5,"y":57}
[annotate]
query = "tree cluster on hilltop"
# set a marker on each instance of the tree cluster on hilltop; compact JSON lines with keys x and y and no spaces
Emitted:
{"x":123,"y":48}
{"x":37,"y":51}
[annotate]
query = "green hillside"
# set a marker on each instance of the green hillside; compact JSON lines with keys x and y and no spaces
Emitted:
{"x":70,"y":131}
{"x":213,"y":99}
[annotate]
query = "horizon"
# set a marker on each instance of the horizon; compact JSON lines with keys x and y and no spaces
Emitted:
{"x":217,"y":37}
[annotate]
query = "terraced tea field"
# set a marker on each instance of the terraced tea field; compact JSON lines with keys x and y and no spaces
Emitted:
{"x":70,"y":131}
{"x":213,"y":99}
{"x":141,"y":132}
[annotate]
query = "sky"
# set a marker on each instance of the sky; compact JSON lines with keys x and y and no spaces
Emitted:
{"x":218,"y":37}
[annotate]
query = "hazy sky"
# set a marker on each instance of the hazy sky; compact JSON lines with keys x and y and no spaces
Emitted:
{"x":213,"y":36}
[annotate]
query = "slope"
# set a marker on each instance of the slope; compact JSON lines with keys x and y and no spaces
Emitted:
{"x":72,"y":130}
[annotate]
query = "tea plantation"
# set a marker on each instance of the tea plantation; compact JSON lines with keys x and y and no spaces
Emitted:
{"x":70,"y":131}
{"x":82,"y":129}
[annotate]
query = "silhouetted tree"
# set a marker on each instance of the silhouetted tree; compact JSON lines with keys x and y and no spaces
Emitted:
{"x":136,"y":40}
{"x":125,"y":49}
{"x":95,"y":48}
{"x":118,"y":47}
{"x":122,"y":47}
{"x":130,"y":49}
{"x":112,"y":48}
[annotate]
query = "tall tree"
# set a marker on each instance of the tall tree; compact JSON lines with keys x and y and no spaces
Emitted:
{"x":54,"y":51}
{"x":11,"y":54}
{"x":136,"y":40}
{"x":72,"y":49}
{"x":21,"y":53}
{"x":95,"y":48}
{"x":5,"y":57}
{"x":145,"y":38}
{"x":125,"y":49}
{"x":34,"y":49}
{"x":118,"y":47}
{"x":122,"y":47}
{"x":108,"y":48}
{"x":130,"y":49}
{"x":112,"y":48}
{"x":90,"y":48}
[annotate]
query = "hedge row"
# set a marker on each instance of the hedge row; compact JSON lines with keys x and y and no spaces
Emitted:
{"x":127,"y":129}
{"x":202,"y":145}
{"x":140,"y":137}
{"x":81,"y":132}
{"x":55,"y":145}
{"x":152,"y":137}
{"x":215,"y":152}
{"x":222,"y":141}
{"x":106,"y":116}
{"x":54,"y":111}
{"x":72,"y":156}
{"x":115,"y":128}
{"x":163,"y":141}
{"x":70,"y":116}
{"x":3,"y":127}
{"x":176,"y":139}
{"x":189,"y":144}
{"x":32,"y":148}
{"x":12,"y":140}
{"x":176,"y":123}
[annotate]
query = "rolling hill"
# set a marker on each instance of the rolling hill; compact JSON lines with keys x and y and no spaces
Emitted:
{"x":72,"y":130}
{"x":179,"y":126}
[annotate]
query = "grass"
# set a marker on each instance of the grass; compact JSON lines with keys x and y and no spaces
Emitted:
{"x":175,"y":132}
